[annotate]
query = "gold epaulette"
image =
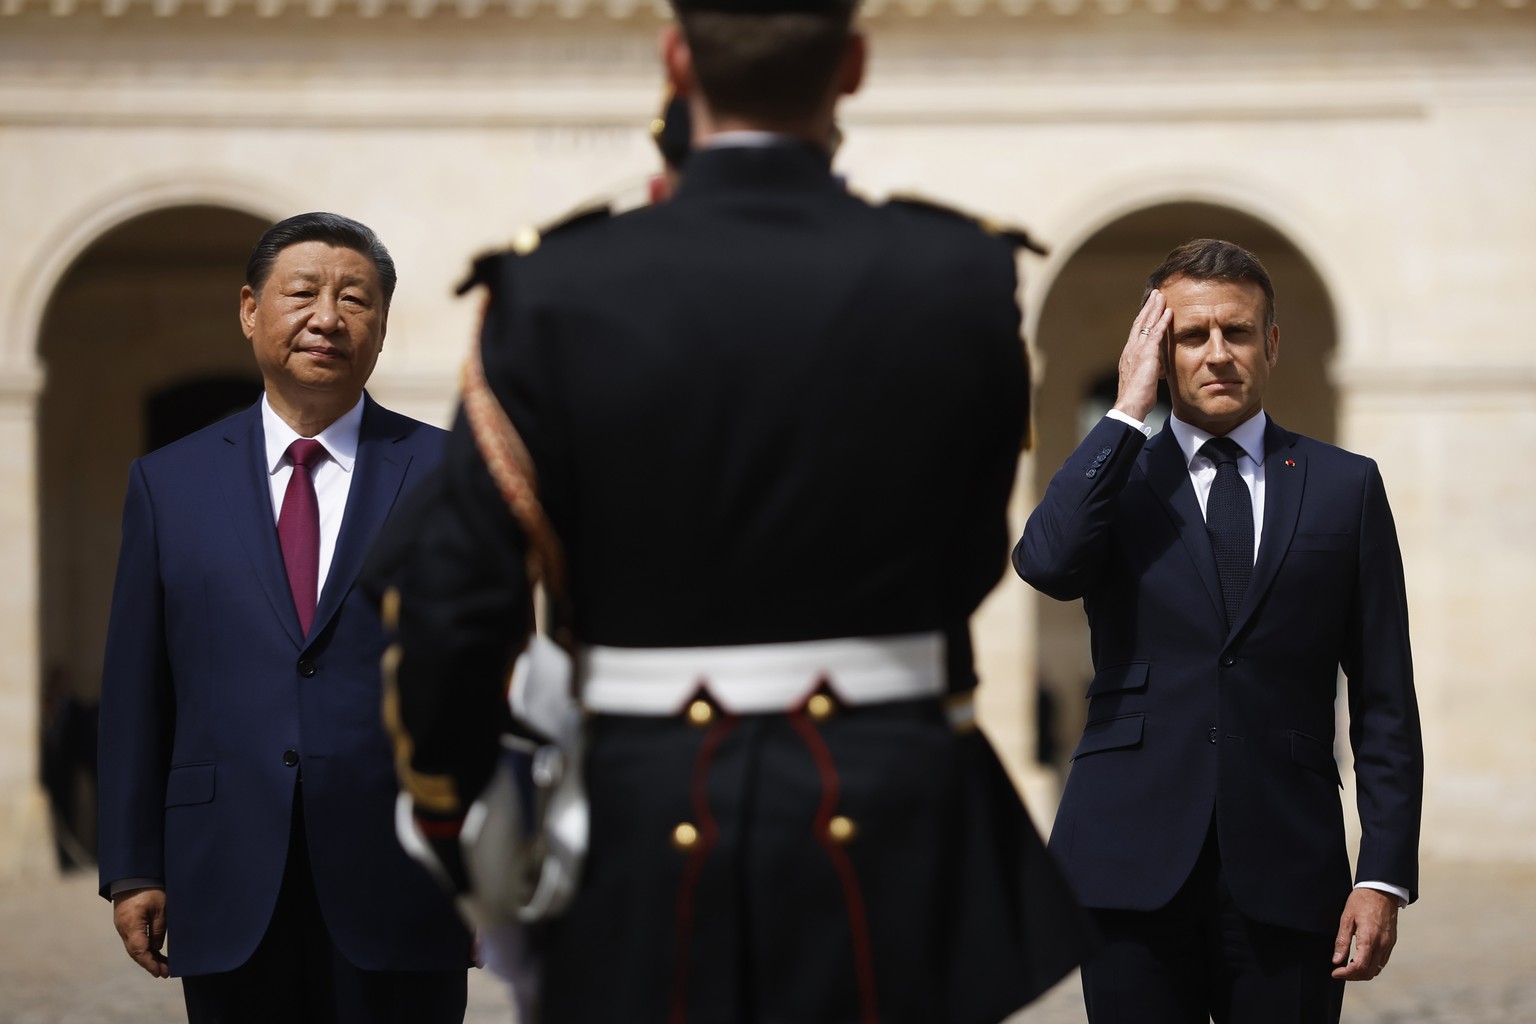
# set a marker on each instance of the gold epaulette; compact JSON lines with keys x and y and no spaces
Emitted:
{"x":482,"y":270}
{"x":1018,"y":236}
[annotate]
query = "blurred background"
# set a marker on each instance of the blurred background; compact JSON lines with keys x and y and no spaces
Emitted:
{"x":1379,"y":155}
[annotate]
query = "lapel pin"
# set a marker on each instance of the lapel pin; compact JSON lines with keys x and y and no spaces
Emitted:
{"x":1291,"y":463}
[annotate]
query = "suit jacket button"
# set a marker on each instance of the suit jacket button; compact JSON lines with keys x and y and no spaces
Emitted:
{"x":1211,"y":735}
{"x":1227,"y":661}
{"x":290,"y":758}
{"x":306,"y":668}
{"x":1093,"y":473}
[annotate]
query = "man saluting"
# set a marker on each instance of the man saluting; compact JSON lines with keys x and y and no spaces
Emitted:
{"x":1229,"y":568}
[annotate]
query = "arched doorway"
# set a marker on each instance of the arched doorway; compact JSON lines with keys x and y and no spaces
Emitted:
{"x":1082,"y":329}
{"x":141,"y":344}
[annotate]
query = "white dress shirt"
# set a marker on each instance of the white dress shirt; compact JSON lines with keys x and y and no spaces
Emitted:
{"x":332,"y":476}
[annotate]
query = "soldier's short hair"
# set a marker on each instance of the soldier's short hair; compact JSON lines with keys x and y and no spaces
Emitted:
{"x":766,"y":65}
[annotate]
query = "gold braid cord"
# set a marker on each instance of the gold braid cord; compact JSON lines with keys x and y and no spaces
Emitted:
{"x":511,"y":468}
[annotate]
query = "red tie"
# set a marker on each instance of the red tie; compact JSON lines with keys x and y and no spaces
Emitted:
{"x":298,"y":528}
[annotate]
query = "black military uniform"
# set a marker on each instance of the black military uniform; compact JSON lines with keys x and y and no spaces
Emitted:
{"x":763,"y":412}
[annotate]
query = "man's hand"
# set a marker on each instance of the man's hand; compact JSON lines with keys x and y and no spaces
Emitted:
{"x":1141,"y":364}
{"x":1370,"y":918}
{"x":139,"y":915}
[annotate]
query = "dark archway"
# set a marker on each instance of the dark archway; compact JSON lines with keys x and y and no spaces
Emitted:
{"x":1083,"y":325}
{"x":174,"y":412}
{"x":142,"y":343}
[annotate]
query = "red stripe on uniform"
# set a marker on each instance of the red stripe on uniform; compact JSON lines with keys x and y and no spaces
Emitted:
{"x":708,"y":833}
{"x":858,"y":923}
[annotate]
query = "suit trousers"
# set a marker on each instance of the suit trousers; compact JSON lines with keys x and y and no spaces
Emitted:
{"x":1200,"y":959}
{"x":298,"y":976}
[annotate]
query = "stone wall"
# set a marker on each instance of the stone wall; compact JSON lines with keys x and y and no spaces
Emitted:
{"x":1391,"y":145}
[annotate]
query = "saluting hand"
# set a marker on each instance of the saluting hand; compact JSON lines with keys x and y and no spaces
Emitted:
{"x":1141,"y":364}
{"x":139,"y":915}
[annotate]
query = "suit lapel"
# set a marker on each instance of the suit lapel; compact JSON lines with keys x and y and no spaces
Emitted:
{"x":1168,"y":475}
{"x":377,"y":477}
{"x":1285,"y":477}
{"x":243,"y":479}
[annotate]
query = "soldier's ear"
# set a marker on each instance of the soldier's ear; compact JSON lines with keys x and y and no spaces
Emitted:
{"x":850,"y":74}
{"x":677,"y":60}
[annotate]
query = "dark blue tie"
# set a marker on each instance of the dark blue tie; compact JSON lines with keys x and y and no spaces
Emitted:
{"x":1229,"y":521}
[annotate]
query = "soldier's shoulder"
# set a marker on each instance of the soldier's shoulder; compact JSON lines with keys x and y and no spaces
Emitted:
{"x":941,"y":212}
{"x":530,"y":239}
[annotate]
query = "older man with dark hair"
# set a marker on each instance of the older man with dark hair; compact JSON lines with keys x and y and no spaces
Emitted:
{"x":1229,"y":569}
{"x":246,"y":781}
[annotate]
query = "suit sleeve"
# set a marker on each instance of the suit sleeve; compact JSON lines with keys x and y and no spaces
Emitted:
{"x":1067,"y":538}
{"x":1384,"y":729}
{"x":137,"y":703}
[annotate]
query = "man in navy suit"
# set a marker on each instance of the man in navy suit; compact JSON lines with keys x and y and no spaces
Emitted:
{"x":247,"y":785}
{"x":1225,"y":585}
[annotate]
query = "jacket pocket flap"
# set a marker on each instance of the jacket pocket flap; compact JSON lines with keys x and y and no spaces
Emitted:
{"x":1313,"y":753}
{"x":189,"y":784}
{"x":1322,"y":542}
{"x":1130,"y":676}
{"x":1110,"y":734}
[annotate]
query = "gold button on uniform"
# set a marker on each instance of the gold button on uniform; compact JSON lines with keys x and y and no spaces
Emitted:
{"x":389,"y":609}
{"x":685,"y":836}
{"x":841,"y":829}
{"x":701,"y":712}
{"x":820,"y":706}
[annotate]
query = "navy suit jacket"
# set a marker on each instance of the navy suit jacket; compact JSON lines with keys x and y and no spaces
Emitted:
{"x":209,"y":685}
{"x":1190,"y":720}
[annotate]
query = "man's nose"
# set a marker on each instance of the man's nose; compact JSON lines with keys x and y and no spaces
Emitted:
{"x":325,"y":315}
{"x":1217,"y":350}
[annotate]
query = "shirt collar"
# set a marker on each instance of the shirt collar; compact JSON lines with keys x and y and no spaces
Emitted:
{"x":339,"y":439}
{"x":1249,"y":437}
{"x":748,"y":139}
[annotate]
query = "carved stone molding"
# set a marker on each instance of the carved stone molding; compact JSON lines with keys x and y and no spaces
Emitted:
{"x":656,"y":9}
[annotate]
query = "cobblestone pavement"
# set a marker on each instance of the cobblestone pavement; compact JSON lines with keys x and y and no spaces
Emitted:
{"x":1462,"y":958}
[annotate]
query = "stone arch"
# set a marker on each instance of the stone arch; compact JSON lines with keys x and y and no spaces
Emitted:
{"x":76,"y":232}
{"x":1082,"y":318}
{"x":1303,"y":227}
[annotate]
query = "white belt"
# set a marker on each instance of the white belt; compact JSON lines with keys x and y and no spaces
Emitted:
{"x":762,"y":678}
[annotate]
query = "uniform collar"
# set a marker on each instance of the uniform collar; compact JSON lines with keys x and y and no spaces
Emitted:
{"x":786,"y":164}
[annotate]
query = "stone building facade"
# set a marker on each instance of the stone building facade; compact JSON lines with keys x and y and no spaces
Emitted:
{"x":1379,"y":154}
